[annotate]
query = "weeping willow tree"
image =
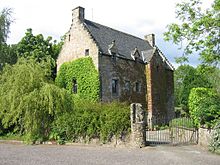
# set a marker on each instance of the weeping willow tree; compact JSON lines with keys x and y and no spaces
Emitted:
{"x":29,"y":101}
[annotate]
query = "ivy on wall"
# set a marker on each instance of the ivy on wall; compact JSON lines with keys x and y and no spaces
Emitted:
{"x":83,"y":72}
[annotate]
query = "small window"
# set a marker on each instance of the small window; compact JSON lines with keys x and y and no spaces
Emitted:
{"x":115,"y":86}
{"x":69,"y":37}
{"x":157,"y":68}
{"x":74,"y":90}
{"x":127,"y":86}
{"x":87,"y":52}
{"x":138,"y":87}
{"x":114,"y":57}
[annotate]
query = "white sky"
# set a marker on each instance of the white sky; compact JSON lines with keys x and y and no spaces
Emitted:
{"x":53,"y":17}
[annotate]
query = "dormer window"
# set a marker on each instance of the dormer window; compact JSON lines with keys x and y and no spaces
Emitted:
{"x":86,"y":52}
{"x":135,"y":54}
{"x":112,"y":49}
{"x":114,"y":58}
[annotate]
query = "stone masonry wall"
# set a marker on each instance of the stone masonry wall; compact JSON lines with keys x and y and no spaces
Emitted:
{"x":204,"y":137}
{"x":123,"y":71}
{"x":77,"y":41}
{"x":159,"y":89}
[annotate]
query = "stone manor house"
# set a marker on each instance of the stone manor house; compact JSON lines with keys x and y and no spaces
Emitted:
{"x":131,"y":69}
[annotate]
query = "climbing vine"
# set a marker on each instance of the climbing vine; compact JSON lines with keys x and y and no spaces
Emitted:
{"x":83,"y":72}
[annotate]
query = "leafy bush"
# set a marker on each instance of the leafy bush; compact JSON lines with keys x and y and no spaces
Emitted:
{"x":115,"y":120}
{"x":215,"y":139}
{"x":29,"y":102}
{"x":85,"y":74}
{"x":93,"y":120}
{"x":204,"y":105}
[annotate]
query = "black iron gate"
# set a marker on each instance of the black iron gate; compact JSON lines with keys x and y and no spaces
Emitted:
{"x":176,"y":131}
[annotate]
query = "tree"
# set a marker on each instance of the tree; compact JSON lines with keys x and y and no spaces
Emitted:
{"x":37,"y":47}
{"x":187,"y":77}
{"x":7,"y":55}
{"x":29,"y":101}
{"x":199,"y":30}
{"x":5,"y":22}
{"x":7,"y":52}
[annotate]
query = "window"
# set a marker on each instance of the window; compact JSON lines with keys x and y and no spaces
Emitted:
{"x":87,"y":52}
{"x":74,"y":90}
{"x":114,"y":57}
{"x":127,"y":86}
{"x":115,"y":86}
{"x":138,"y":87}
{"x":69,"y":37}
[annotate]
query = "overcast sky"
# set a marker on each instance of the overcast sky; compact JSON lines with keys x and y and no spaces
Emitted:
{"x":136,"y":17}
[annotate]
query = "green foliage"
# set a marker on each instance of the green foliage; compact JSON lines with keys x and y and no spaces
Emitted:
{"x":198,"y":30}
{"x":29,"y":102}
{"x":183,"y":122}
{"x":7,"y":55}
{"x":115,"y":120}
{"x":93,"y":120}
{"x":185,"y":78}
{"x":214,"y":145}
{"x":214,"y":78}
{"x":204,"y":105}
{"x":83,"y":71}
{"x":5,"y":22}
{"x":37,"y":47}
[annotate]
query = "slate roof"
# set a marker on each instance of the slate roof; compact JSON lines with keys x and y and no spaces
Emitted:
{"x":124,"y":42}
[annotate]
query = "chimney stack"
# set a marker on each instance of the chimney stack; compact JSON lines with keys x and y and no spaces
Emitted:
{"x":78,"y":14}
{"x":151,"y":39}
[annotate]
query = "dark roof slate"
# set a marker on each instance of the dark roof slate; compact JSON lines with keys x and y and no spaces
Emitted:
{"x":124,"y":42}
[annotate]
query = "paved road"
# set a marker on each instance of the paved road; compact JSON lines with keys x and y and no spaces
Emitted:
{"x":19,"y":154}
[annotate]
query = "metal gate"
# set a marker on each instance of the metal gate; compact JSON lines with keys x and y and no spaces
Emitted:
{"x":176,"y":131}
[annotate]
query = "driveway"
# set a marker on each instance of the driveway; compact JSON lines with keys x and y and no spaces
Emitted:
{"x":20,"y":154}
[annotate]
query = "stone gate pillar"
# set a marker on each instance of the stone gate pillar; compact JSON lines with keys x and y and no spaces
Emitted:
{"x":138,"y":125}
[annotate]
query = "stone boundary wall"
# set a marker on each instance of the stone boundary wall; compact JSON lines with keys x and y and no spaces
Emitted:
{"x":204,"y":137}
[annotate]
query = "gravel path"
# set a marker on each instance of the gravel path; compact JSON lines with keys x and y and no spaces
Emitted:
{"x":19,"y":154}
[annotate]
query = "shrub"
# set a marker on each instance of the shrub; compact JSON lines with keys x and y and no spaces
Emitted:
{"x":115,"y":120}
{"x":215,"y":139}
{"x":84,"y":73}
{"x":93,"y":120}
{"x":204,"y":105}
